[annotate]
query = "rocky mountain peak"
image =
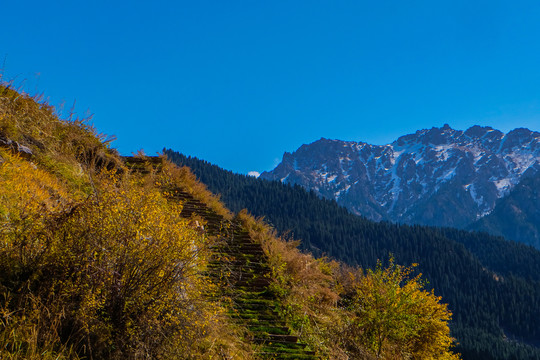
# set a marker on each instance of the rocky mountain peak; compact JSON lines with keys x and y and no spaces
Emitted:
{"x":438,"y":176}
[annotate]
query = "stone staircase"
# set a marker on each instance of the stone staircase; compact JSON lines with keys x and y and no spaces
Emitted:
{"x":240,"y":267}
{"x":253,"y":304}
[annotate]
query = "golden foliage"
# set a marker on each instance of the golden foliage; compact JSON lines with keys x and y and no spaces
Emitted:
{"x":395,"y":318}
{"x":62,"y":147}
{"x":118,"y":275}
{"x":27,"y":196}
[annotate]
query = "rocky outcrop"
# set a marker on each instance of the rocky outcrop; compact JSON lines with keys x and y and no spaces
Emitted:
{"x":15,"y":147}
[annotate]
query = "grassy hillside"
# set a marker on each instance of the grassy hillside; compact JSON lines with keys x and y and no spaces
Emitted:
{"x":491,"y":285}
{"x":104,"y":257}
{"x":95,"y":262}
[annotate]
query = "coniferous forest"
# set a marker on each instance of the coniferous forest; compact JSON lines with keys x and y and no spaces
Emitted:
{"x":492,"y":285}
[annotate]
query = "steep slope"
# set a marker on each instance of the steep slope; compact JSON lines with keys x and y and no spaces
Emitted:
{"x":516,"y":216}
{"x":439,"y":176}
{"x":95,"y":262}
{"x":465,"y":268}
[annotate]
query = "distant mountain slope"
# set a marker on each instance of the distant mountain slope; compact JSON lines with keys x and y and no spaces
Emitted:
{"x":492,"y":285}
{"x":516,"y":216}
{"x":440,"y":176}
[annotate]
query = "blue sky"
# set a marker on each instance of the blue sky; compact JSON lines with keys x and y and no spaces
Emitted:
{"x":237,"y":83}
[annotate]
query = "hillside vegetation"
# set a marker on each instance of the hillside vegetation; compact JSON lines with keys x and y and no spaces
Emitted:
{"x":491,"y":285}
{"x":104,"y":257}
{"x":516,"y":216}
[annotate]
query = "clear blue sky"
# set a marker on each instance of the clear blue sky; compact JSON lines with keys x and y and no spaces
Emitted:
{"x":238,"y":83}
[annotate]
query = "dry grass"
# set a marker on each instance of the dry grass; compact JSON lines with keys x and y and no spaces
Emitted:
{"x":68,"y":148}
{"x":184,"y":178}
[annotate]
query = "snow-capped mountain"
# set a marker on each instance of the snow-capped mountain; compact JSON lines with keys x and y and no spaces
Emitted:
{"x":437,"y":176}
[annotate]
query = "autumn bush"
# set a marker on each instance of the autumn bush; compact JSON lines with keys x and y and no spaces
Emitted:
{"x":85,"y":261}
{"x":29,"y":199}
{"x":393,"y":317}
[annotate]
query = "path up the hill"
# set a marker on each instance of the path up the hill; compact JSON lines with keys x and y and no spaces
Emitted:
{"x":240,"y":267}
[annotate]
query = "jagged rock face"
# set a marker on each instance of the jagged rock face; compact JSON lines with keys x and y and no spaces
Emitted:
{"x":438,"y":176}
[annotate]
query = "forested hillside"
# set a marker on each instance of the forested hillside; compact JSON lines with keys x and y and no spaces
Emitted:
{"x":516,"y":216}
{"x":110,"y":257}
{"x":492,"y":285}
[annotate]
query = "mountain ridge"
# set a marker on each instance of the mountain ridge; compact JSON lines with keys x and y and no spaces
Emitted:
{"x":419,"y":178}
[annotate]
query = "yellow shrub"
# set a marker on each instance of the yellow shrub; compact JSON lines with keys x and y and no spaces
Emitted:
{"x":28,"y":197}
{"x":133,"y":263}
{"x":117,"y":275}
{"x":393,"y":317}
